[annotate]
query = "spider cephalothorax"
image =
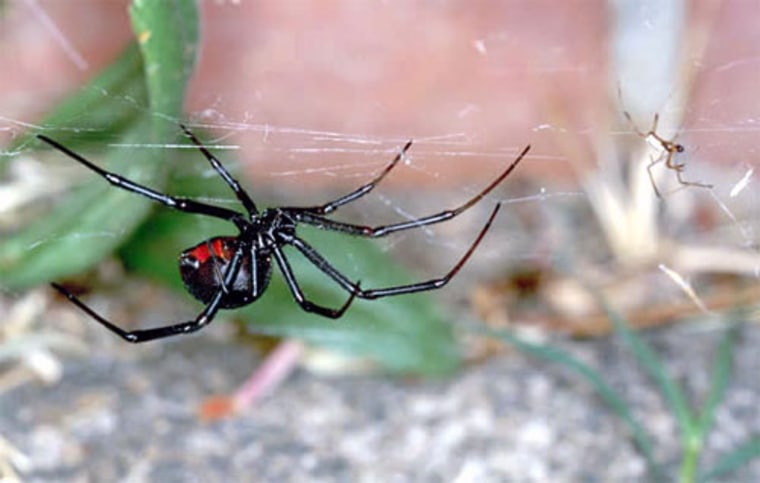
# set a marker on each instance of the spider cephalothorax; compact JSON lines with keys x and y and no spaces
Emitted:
{"x":232,"y":271}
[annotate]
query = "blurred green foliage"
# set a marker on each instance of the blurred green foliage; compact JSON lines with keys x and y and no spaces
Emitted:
{"x":138,"y":100}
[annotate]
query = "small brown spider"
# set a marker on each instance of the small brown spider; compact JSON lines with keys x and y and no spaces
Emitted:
{"x":670,"y":149}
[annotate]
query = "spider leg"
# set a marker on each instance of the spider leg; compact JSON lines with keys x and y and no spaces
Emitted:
{"x":652,"y":163}
{"x":677,"y":167}
{"x":655,"y":122}
{"x":633,"y":125}
{"x":181,"y":204}
{"x":144,"y":335}
{"x":361,"y":191}
{"x":375,"y":232}
{"x":241,"y":194}
{"x":691,"y":183}
{"x":319,"y":261}
{"x":298,"y":295}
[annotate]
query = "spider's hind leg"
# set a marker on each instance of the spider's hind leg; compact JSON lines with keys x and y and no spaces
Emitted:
{"x":145,"y":335}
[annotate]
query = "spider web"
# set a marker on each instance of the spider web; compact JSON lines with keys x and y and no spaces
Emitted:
{"x":305,"y":111}
{"x":305,"y":105}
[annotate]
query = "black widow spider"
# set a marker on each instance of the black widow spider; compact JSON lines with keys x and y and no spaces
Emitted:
{"x":228,"y":272}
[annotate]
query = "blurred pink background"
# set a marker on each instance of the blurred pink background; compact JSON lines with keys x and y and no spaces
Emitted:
{"x":471,"y":82}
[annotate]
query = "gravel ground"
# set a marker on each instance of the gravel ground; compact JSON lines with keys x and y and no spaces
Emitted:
{"x":126,"y":413}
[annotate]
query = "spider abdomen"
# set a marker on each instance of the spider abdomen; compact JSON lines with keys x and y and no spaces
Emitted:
{"x":203,"y":268}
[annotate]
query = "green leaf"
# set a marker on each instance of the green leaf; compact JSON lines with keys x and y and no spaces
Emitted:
{"x":167,"y":32}
{"x":406,"y":334}
{"x":96,"y":218}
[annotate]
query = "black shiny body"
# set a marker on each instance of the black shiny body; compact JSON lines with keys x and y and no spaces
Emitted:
{"x":202,"y":269}
{"x":231,"y":272}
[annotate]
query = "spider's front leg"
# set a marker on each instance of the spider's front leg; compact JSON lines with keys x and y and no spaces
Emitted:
{"x":359,"y":192}
{"x":177,"y":203}
{"x":305,"y":216}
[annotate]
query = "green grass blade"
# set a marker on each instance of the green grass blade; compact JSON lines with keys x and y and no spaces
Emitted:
{"x":608,"y":395}
{"x":721,"y":375}
{"x":674,"y":396}
{"x":735,"y":459}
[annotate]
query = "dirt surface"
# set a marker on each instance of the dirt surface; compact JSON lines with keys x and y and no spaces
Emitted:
{"x":127,"y":413}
